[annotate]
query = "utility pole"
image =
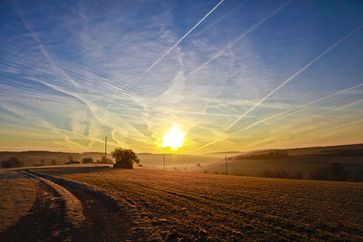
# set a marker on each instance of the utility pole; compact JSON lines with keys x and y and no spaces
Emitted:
{"x":105,"y":148}
{"x":163,"y":161}
{"x":226,"y":165}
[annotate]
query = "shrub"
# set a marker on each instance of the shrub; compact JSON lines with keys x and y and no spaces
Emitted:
{"x":335,"y":171}
{"x":87,"y":160}
{"x":279,"y":173}
{"x":275,"y":174}
{"x":72,"y":162}
{"x":5,"y":164}
{"x":105,"y":160}
{"x":124,"y":158}
{"x":12,"y":162}
{"x":338,"y":171}
{"x":321,"y":173}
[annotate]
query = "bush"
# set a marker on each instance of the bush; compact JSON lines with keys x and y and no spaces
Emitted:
{"x":124,"y":158}
{"x":279,"y":173}
{"x":275,"y":174}
{"x":321,"y":173}
{"x":357,"y":175}
{"x":5,"y":164}
{"x":338,"y":172}
{"x":87,"y":160}
{"x":105,"y":160}
{"x":12,"y":162}
{"x":72,"y":162}
{"x":335,"y":171}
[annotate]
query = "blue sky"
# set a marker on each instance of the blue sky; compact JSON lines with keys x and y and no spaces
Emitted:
{"x":234,"y":75}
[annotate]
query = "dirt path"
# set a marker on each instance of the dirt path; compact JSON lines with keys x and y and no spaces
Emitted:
{"x":45,"y":221}
{"x":49,"y":219}
{"x":103,"y":222}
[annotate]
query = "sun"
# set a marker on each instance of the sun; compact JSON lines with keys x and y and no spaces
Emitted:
{"x":174,"y":137}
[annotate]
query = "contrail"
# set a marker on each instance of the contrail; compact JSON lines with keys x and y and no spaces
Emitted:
{"x":89,"y":77}
{"x":178,"y":42}
{"x":318,"y":131}
{"x":57,"y":67}
{"x":243,"y":35}
{"x":240,"y":37}
{"x":325,"y":52}
{"x":32,"y":117}
{"x":29,"y":27}
{"x":289,"y":111}
{"x":222,"y":18}
{"x":299,"y":108}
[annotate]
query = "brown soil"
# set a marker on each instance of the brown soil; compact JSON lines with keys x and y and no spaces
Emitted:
{"x":46,"y":220}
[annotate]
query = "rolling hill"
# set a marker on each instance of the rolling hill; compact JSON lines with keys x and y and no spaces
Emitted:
{"x":293,"y":163}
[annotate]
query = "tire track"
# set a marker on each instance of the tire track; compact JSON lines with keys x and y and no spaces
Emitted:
{"x":73,"y":207}
{"x":44,"y":222}
{"x":105,"y":218}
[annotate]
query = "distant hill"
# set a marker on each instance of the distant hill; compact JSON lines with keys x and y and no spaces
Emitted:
{"x":34,"y":158}
{"x":324,"y":149}
{"x":172,"y":161}
{"x":296,"y":162}
{"x":312,"y":150}
{"x":176,"y":161}
{"x":225,"y":152}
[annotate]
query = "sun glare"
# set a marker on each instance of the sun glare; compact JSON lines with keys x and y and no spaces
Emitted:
{"x":174,"y":137}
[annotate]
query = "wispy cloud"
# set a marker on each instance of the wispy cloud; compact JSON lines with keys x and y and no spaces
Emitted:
{"x":77,"y":71}
{"x":321,"y":55}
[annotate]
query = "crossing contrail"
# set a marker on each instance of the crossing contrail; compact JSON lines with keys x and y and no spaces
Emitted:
{"x":289,"y":111}
{"x":299,"y":108}
{"x":317,"y":130}
{"x":222,"y":18}
{"x":177,"y":43}
{"x":325,"y":52}
{"x":243,"y":35}
{"x":43,"y":50}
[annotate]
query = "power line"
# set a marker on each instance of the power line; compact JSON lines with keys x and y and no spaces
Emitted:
{"x":226,"y":164}
{"x":105,"y":147}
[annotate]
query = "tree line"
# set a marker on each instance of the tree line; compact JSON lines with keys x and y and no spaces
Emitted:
{"x":124,"y":158}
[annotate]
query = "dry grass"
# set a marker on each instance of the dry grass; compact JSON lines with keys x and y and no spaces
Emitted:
{"x":199,"y":206}
{"x":17,"y":196}
{"x":73,"y":207}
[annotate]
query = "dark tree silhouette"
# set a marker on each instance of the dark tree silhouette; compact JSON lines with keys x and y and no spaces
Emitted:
{"x":335,"y":171}
{"x":5,"y":164}
{"x":12,"y":162}
{"x":87,"y":160}
{"x":321,"y":173}
{"x":338,"y":171}
{"x":104,"y":159}
{"x":71,"y":161}
{"x":124,"y":158}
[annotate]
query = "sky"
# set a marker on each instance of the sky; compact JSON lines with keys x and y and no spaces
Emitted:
{"x":233,"y":75}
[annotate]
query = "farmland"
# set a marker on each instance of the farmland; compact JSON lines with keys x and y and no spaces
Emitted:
{"x":158,"y":205}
